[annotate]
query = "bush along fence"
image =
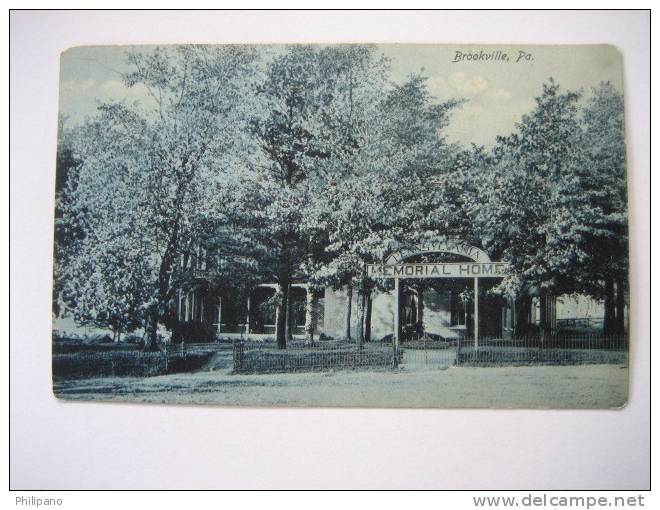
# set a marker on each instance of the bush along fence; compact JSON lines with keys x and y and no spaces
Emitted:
{"x":253,"y":357}
{"x":248,"y":356}
{"x":133,"y":363}
{"x":572,"y":350}
{"x":259,"y":357}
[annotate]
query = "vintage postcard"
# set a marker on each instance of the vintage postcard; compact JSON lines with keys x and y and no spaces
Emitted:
{"x":342,"y":225}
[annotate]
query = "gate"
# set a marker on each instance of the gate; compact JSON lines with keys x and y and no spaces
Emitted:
{"x":426,"y":352}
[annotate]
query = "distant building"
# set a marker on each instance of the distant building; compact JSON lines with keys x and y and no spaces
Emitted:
{"x":442,"y":306}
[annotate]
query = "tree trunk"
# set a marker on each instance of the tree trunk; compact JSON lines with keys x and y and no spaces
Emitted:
{"x":281,"y":317}
{"x":609,"y":318}
{"x":543,"y":315}
{"x":469,"y":323}
{"x":310,"y":316}
{"x":289,"y":317}
{"x":522,"y":319}
{"x":278,"y":313}
{"x":164,"y":287}
{"x":420,"y":310}
{"x":620,"y":307}
{"x":367,"y":320}
{"x":349,"y":304}
{"x":151,"y":341}
{"x":361,"y":313}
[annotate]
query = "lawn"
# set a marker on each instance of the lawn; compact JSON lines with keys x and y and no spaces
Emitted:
{"x":587,"y":386}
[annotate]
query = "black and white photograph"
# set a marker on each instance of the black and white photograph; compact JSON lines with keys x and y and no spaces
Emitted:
{"x":342,"y":225}
{"x":340,"y":250}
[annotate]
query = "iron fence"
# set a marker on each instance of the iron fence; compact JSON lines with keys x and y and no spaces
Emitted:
{"x":299,"y":356}
{"x":258,"y":356}
{"x":431,"y":351}
{"x":577,"y":350}
{"x":428,"y":351}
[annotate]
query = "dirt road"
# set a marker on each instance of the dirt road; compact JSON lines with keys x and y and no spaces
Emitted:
{"x":589,"y":386}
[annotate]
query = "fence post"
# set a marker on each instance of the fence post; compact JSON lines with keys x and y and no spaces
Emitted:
{"x":458,"y":349}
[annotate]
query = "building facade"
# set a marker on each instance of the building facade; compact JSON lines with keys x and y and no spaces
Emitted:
{"x":446,"y":308}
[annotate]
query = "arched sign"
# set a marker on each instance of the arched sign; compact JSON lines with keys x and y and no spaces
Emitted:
{"x":455,"y":247}
{"x":395,"y":267}
{"x":480,"y":266}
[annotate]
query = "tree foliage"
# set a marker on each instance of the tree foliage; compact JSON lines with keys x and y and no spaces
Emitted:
{"x":553,"y":198}
{"x":309,"y":165}
{"x":147,"y":175}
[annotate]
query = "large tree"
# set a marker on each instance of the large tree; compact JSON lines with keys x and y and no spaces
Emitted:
{"x":552,"y":200}
{"x":313,"y":110}
{"x":65,"y":232}
{"x":104,"y":284}
{"x":148,"y":171}
{"x":514,"y":206}
{"x":589,"y":232}
{"x":389,"y":201}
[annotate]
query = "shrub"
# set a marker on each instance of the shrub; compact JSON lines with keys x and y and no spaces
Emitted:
{"x":107,"y":364}
{"x":272,"y":360}
{"x":193,"y":332}
{"x":486,"y":355}
{"x":125,"y":363}
{"x":78,"y":346}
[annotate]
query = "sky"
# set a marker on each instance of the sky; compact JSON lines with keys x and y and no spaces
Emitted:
{"x":498,"y":90}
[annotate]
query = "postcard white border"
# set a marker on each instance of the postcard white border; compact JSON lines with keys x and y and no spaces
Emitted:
{"x":57,"y":445}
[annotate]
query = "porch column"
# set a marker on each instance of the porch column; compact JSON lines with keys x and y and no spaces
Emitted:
{"x":508,"y":314}
{"x":310,"y":314}
{"x":512,"y":313}
{"x":552,"y":312}
{"x":476,"y":313}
